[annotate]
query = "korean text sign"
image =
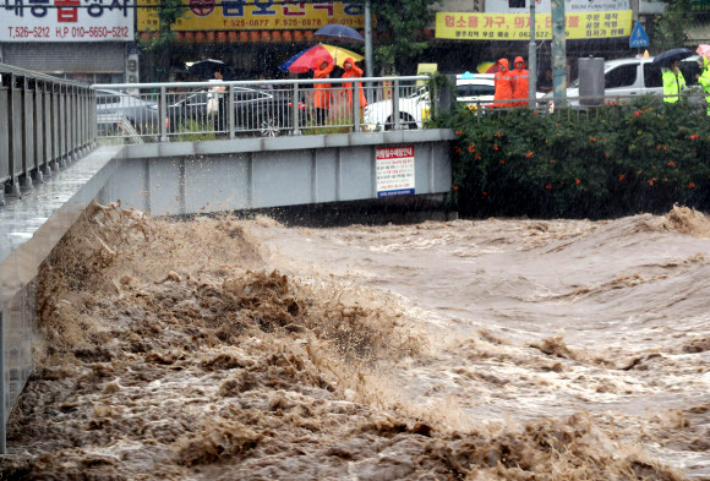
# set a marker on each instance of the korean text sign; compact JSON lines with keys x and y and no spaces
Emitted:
{"x":512,"y":26}
{"x":395,"y":171}
{"x":67,"y":21}
{"x":208,"y":15}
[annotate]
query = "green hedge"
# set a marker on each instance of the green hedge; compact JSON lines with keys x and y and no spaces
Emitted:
{"x":609,"y":161}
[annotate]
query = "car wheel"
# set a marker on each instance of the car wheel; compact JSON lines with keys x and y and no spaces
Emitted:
{"x":406,"y":122}
{"x":268,"y":127}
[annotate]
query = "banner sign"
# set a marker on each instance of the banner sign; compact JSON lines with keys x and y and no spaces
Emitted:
{"x":509,"y":26}
{"x":395,"y":171}
{"x":571,"y":6}
{"x":700,"y":6}
{"x":210,"y":15}
{"x":32,"y":21}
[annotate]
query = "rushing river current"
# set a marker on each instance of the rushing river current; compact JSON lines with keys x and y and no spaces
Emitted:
{"x":219,"y":349}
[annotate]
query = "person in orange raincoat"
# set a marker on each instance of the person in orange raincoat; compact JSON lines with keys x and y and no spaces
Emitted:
{"x":503,"y":84}
{"x":352,"y":71}
{"x":323,"y":93}
{"x":521,"y":82}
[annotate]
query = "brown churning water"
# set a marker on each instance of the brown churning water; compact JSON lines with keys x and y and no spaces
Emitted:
{"x":219,"y":349}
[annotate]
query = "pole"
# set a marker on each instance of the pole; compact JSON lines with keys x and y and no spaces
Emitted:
{"x":559,"y":51}
{"x":368,"y":49}
{"x":532,"y":58}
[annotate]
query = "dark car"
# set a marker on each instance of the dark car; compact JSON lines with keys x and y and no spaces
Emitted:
{"x":267,"y":113}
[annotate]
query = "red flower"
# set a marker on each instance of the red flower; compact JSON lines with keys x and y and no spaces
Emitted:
{"x":548,"y":187}
{"x":456,"y":187}
{"x":672,"y":164}
{"x":665,"y":148}
{"x":528,"y":155}
{"x":471,"y":147}
{"x":658,"y":147}
{"x":553,"y":161}
{"x":534,"y":113}
{"x":502,"y":162}
{"x":593,"y":139}
{"x":639,"y":172}
{"x":650,"y":182}
{"x":495,"y":146}
{"x":459,"y":132}
{"x":693,"y":137}
{"x":457,"y":150}
{"x":485,"y":193}
{"x":691,"y":185}
{"x":637,"y":113}
{"x":578,"y":181}
{"x":622,"y":177}
{"x":606,"y":154}
{"x":623,"y":103}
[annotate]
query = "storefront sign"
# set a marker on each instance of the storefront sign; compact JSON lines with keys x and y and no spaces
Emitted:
{"x":211,"y":15}
{"x":509,"y":26}
{"x":32,"y":21}
{"x":571,"y":6}
{"x":700,"y":6}
{"x":395,"y":171}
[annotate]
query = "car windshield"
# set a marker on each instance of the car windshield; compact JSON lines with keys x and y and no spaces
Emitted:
{"x":417,"y":93}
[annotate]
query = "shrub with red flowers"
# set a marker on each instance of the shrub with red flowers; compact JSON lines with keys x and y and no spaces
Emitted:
{"x":605,"y":162}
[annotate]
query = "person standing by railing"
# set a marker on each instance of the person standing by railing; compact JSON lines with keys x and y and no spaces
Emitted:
{"x":704,"y":79}
{"x":521,"y":82}
{"x":323,"y":94}
{"x":504,"y":85}
{"x":673,"y":82}
{"x":218,"y":93}
{"x":352,"y":71}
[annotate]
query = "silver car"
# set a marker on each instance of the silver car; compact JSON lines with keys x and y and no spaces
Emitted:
{"x":114,"y":108}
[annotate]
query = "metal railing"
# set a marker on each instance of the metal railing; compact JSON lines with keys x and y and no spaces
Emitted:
{"x":576,"y":108}
{"x":161,"y":112}
{"x":45,"y":123}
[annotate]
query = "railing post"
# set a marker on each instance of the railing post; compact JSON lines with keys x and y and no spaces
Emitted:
{"x":230,"y":114}
{"x":3,"y":397}
{"x":356,"y":106}
{"x":162,"y":115}
{"x":294,"y":109}
{"x":434,"y":101}
{"x":74,"y":121}
{"x":395,"y":105}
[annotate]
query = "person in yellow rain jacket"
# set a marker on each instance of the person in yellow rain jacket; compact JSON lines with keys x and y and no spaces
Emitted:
{"x":673,"y":82}
{"x":704,"y":79}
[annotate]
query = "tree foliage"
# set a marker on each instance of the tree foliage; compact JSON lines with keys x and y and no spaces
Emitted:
{"x":671,"y":25}
{"x":622,"y":159}
{"x":160,"y":43}
{"x":403,"y":19}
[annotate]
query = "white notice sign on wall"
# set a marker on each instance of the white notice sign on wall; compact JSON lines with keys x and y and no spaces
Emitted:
{"x":395,"y":171}
{"x":67,"y":21}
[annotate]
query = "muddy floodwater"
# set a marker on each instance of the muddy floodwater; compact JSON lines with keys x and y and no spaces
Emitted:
{"x":219,"y":349}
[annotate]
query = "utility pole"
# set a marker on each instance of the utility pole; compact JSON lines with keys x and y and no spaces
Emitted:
{"x":368,"y":39}
{"x":368,"y":49}
{"x":532,"y":59}
{"x":559,"y":51}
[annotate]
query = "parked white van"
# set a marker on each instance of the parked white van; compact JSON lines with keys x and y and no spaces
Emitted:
{"x":631,"y":77}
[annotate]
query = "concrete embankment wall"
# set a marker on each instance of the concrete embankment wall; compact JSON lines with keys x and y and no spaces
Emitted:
{"x":314,"y":179}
